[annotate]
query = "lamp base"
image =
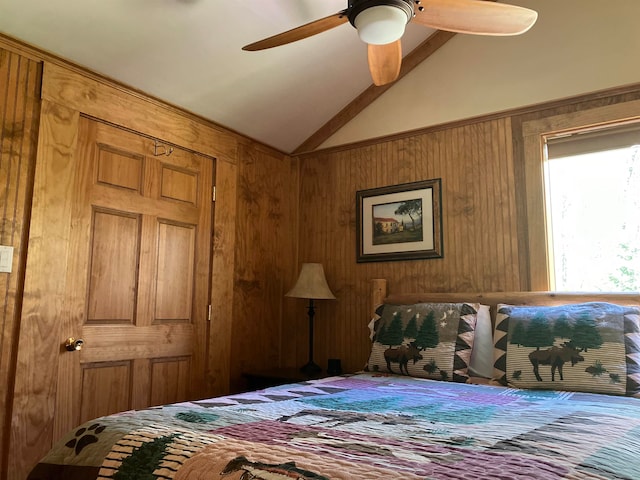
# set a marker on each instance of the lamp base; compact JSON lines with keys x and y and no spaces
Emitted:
{"x":311,"y":368}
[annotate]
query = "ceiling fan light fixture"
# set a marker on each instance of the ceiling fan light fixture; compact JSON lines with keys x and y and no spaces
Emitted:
{"x":382,"y":23}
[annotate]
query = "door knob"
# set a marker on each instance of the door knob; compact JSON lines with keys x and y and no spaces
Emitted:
{"x":73,"y":344}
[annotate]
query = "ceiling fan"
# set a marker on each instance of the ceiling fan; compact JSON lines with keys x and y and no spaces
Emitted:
{"x":381,"y":24}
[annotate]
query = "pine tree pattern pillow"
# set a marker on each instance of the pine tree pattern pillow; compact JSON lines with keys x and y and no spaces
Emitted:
{"x":427,"y":340}
{"x":587,"y":347}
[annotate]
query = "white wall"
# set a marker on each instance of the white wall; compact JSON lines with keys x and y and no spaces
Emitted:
{"x":576,"y":47}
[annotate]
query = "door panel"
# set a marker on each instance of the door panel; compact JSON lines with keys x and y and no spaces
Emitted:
{"x":119,"y":168}
{"x":138,"y":281}
{"x":168,"y":377}
{"x":112,"y":378}
{"x":103,"y":342}
{"x":113,"y":267}
{"x":174,"y":272}
{"x":179,"y":184}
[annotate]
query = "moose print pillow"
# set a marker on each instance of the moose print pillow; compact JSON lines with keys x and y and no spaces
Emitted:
{"x":587,"y":347}
{"x":427,"y":340}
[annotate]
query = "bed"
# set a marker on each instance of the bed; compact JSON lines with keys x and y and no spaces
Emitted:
{"x":478,"y":403}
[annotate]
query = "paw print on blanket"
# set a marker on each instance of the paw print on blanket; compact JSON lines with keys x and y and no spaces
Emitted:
{"x":85,"y":437}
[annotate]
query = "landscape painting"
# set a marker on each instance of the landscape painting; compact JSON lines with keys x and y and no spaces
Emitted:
{"x":399,"y":222}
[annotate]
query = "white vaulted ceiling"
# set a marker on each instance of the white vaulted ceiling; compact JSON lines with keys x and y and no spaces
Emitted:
{"x":189,"y":53}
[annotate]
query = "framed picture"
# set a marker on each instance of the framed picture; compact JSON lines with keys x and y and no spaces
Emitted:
{"x":399,"y":222}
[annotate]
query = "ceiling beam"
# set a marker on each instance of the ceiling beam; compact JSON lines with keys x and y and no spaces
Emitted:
{"x":412,"y":60}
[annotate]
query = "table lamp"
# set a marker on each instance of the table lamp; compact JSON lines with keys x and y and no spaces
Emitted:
{"x":311,"y":284}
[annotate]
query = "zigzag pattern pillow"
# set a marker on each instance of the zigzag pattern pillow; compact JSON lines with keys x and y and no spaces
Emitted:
{"x":587,"y":347}
{"x":427,"y":340}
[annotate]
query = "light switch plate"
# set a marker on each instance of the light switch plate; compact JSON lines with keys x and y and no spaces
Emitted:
{"x":6,"y":258}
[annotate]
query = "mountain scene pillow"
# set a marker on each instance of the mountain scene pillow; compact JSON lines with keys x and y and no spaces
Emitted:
{"x":588,"y":347}
{"x":426,"y":340}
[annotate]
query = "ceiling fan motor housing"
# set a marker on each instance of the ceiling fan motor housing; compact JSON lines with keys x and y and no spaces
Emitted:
{"x":380,"y":21}
{"x":357,"y":6}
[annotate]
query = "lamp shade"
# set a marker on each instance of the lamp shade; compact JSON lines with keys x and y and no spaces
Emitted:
{"x":381,"y":24}
{"x":311,"y":283}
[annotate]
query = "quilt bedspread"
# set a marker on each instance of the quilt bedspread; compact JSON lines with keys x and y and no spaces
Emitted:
{"x":364,"y":426}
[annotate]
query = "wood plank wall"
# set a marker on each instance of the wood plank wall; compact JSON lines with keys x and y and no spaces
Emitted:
{"x":20,"y":79}
{"x":484,"y":210}
{"x":475,"y":163}
{"x":265,"y":257}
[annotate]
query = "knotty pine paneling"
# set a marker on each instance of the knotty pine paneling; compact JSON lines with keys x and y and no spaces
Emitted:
{"x":475,"y":163}
{"x":20,"y":80}
{"x":265,"y":260}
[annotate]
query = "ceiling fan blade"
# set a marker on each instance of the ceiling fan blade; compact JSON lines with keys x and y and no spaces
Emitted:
{"x":298,"y":33}
{"x":385,"y":62}
{"x":476,"y":16}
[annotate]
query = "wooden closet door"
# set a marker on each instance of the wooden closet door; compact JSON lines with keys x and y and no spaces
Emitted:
{"x":138,"y":280}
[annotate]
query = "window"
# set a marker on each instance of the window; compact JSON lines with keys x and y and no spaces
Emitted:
{"x":593,"y":210}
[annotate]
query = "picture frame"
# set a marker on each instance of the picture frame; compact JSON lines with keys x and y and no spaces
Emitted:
{"x":399,"y":222}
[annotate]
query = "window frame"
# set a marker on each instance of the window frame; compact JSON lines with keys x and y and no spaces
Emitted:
{"x":535,"y":134}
